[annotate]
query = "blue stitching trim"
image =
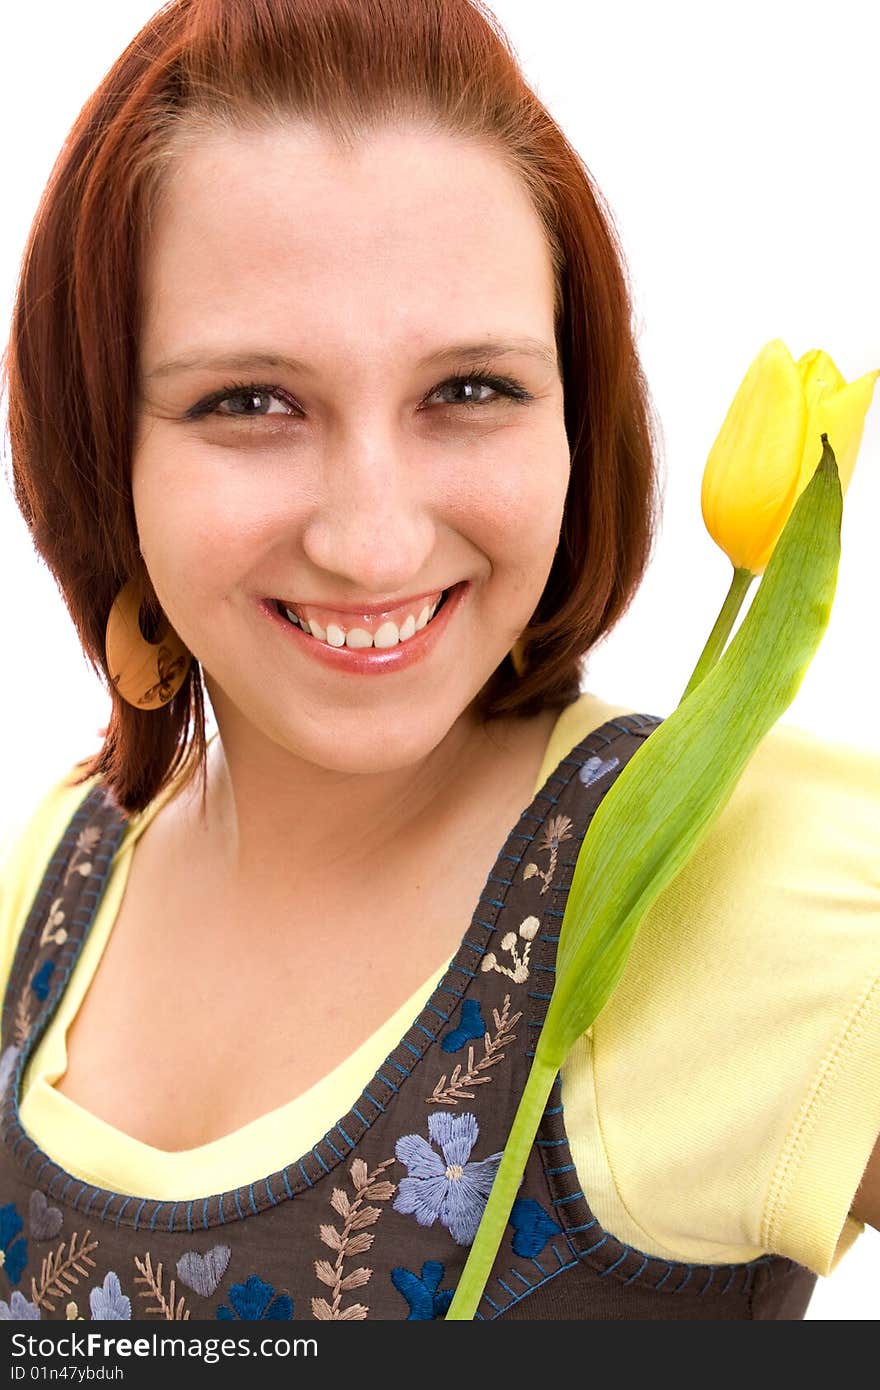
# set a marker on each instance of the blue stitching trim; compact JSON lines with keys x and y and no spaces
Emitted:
{"x":189,"y":1217}
{"x":220,"y":1210}
{"x":506,"y":1287}
{"x":137,"y":1215}
{"x":87,"y":1207}
{"x":494,"y":902}
{"x":602,"y":1273}
{"x":380,"y":1108}
{"x":409,"y":1047}
{"x":597,"y":1246}
{"x":568,"y":1168}
{"x":638,"y":1272}
{"x":287,"y":1188}
{"x":508,"y":882}
{"x":439,"y":1013}
{"x":557,"y":1110}
{"x":345,"y":1136}
{"x":450,"y":989}
{"x":536,"y":994}
{"x":537,"y":1262}
{"x":329,"y":1142}
{"x":155,"y":1214}
{"x":563,"y":1201}
{"x":40,"y":1169}
{"x":494,"y":1305}
{"x":305,"y":1174}
{"x":423,"y":1029}
{"x":270,"y":1194}
{"x":549,"y":1143}
{"x":686,"y":1280}
{"x":397,"y":1067}
{"x":729,"y":1282}
{"x":547,"y":969}
{"x":462,"y":970}
{"x":365,"y":1123}
{"x":110,"y":1197}
{"x":574,"y":1230}
{"x":389,"y":1084}
{"x":554,"y":911}
{"x":251,"y":1199}
{"x":477,"y":950}
{"x":121,"y":1210}
{"x":205,"y":1213}
{"x":320,"y":1160}
{"x":238,"y":1209}
{"x":171,"y":1217}
{"x":554,"y":939}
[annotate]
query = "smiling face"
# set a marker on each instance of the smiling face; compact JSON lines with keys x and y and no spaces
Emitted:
{"x":342,"y":468}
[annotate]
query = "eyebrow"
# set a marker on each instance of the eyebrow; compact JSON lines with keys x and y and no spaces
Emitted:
{"x":454,"y":352}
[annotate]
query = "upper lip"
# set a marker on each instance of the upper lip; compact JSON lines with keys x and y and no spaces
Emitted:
{"x":371,"y":609}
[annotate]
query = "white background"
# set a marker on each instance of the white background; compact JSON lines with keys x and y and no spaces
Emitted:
{"x":736,"y":145}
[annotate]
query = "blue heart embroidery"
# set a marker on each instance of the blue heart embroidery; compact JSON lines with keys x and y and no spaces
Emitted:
{"x":532,"y":1226}
{"x":594,"y":768}
{"x":470,"y":1027}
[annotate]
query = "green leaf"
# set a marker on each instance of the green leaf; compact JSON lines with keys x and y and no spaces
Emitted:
{"x":655,"y":814}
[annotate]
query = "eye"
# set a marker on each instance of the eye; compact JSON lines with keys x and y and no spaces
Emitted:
{"x":249,"y":401}
{"x":469,"y":387}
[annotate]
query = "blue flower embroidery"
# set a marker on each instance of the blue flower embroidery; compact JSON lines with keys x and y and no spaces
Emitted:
{"x":533,"y":1227}
{"x":421,"y":1292}
{"x":470,"y":1026}
{"x":449,"y":1188}
{"x":13,"y":1247}
{"x":254,"y":1301}
{"x":18,"y":1309}
{"x":40,"y":982}
{"x":108,"y":1303}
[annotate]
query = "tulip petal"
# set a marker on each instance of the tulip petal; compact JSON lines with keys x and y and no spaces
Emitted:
{"x":841,"y":416}
{"x":753,"y":467}
{"x":819,"y":377}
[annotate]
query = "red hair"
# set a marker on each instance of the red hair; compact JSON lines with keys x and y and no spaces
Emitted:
{"x":71,"y":364}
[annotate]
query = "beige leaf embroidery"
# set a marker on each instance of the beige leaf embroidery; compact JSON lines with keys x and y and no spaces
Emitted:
{"x":353,"y":1239}
{"x":168,"y":1308}
{"x":556,"y":830}
{"x":452,"y":1092}
{"x":60,"y":1271}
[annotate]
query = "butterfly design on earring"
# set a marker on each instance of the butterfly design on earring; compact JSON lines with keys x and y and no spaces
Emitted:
{"x":168,"y":666}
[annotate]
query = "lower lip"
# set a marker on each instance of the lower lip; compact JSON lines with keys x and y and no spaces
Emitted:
{"x":373,"y":661}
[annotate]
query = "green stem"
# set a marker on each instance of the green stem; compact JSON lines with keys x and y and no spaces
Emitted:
{"x":713,"y":649}
{"x":479,"y":1262}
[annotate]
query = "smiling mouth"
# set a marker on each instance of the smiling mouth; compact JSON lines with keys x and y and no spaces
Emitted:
{"x":387,"y":635}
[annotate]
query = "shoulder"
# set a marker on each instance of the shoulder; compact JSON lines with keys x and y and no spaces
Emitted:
{"x":25,"y":851}
{"x":744,"y":1034}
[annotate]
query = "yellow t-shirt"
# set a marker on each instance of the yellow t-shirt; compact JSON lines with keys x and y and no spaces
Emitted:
{"x":726,"y":1100}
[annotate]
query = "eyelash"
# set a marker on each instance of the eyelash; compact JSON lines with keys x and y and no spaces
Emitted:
{"x":505,"y":386}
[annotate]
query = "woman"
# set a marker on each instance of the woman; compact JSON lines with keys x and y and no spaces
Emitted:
{"x":323,"y":392}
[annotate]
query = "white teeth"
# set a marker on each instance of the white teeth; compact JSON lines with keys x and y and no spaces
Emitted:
{"x":388,"y":634}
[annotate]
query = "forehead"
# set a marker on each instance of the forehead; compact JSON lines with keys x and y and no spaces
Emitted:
{"x":283,"y":234}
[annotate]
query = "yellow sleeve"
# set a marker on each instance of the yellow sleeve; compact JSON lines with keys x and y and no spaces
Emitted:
{"x":727,"y":1098}
{"x":24,"y":854}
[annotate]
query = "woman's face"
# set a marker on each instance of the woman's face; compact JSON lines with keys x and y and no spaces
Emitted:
{"x":299,"y":437}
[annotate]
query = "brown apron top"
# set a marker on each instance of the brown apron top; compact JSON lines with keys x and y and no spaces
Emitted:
{"x":376,"y":1220}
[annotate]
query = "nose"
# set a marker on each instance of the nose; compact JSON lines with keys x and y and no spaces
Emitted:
{"x":372,"y":522}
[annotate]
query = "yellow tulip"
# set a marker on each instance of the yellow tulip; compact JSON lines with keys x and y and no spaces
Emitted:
{"x":770,"y":444}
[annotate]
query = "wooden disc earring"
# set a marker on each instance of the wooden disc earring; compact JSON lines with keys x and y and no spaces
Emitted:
{"x":146,"y":673}
{"x":517,"y":656}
